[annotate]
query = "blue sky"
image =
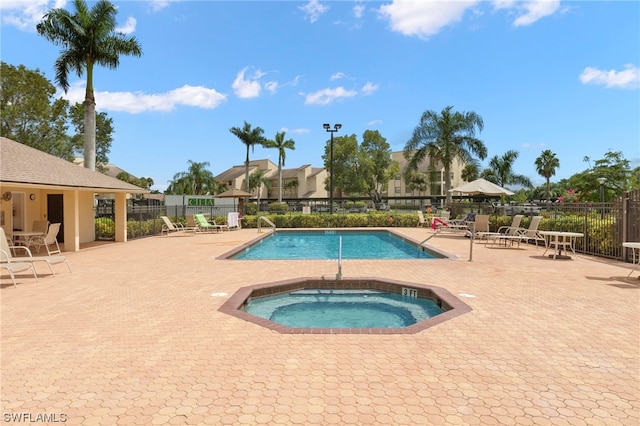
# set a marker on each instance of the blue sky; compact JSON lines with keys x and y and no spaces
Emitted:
{"x":555,"y":75}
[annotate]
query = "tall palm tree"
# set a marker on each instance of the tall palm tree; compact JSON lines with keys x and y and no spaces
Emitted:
{"x":281,"y":145}
{"x":250,"y":137}
{"x":88,"y":38}
{"x":444,"y":137}
{"x":500,"y":171}
{"x":546,"y":166}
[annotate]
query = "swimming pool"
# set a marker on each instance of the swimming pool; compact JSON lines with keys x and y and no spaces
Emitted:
{"x":324,"y":244}
{"x":343,"y":308}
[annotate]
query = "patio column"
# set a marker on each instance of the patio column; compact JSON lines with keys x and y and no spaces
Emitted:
{"x":120,"y":211}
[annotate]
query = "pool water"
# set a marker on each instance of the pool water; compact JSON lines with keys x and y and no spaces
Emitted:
{"x":328,"y":308}
{"x":325,"y":245}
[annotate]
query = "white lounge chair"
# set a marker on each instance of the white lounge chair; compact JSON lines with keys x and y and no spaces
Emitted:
{"x":14,"y":267}
{"x":50,"y":260}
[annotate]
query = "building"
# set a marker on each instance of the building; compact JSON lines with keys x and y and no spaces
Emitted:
{"x":301,"y":182}
{"x":35,"y":185}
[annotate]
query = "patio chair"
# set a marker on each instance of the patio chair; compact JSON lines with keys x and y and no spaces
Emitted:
{"x":168,"y":226}
{"x":531,"y":233}
{"x":13,"y":267}
{"x":204,"y":225}
{"x":50,"y":260}
{"x":421,"y":221}
{"x":46,"y":240}
{"x":440,"y":224}
{"x":482,"y":227}
{"x":511,"y":233}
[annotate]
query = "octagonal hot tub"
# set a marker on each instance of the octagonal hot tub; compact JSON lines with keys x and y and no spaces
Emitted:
{"x":350,"y":305}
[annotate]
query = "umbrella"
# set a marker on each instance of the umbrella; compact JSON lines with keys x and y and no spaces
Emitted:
{"x":234,"y":193}
{"x":482,"y":186}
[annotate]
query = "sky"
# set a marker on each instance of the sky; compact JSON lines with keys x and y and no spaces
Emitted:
{"x":542,"y":74}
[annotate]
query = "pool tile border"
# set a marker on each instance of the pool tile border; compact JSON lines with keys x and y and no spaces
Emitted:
{"x":451,"y":304}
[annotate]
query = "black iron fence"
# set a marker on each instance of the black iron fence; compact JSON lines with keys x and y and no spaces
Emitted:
{"x":605,"y":225}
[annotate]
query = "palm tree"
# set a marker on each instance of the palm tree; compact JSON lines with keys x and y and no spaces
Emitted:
{"x":500,"y":171}
{"x":280,"y":144}
{"x":87,"y":38}
{"x":546,"y":166}
{"x":250,"y":137}
{"x":256,"y":180}
{"x":197,"y":180}
{"x":443,"y":138}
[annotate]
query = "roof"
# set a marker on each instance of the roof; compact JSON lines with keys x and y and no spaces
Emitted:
{"x":25,"y":166}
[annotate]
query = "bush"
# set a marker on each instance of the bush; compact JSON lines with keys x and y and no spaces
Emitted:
{"x":278,"y":208}
{"x":251,"y":208}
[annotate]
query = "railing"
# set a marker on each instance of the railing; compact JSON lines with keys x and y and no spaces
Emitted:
{"x":265,"y":219}
{"x":339,"y":274}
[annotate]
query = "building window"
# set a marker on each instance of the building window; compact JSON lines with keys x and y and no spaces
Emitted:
{"x":397,"y":190}
{"x":397,"y":177}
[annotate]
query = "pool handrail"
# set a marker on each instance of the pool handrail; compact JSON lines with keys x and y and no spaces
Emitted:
{"x":266,"y":219}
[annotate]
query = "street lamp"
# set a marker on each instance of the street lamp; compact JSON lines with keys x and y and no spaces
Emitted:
{"x":328,"y":128}
{"x":601,"y":181}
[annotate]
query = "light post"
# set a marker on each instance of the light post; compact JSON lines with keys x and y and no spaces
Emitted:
{"x":328,"y":128}
{"x":601,"y":181}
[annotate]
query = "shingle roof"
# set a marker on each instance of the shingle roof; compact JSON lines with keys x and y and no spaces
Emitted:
{"x":23,"y":165}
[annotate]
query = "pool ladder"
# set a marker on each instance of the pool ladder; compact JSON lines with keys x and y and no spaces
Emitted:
{"x":266,"y":219}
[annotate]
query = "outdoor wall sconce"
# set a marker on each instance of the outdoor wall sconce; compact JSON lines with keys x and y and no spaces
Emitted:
{"x":32,"y":197}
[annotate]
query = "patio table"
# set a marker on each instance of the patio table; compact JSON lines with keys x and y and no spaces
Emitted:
{"x":633,"y":246}
{"x":560,"y":240}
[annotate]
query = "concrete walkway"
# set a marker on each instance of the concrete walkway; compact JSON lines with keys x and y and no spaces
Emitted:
{"x":134,"y":337}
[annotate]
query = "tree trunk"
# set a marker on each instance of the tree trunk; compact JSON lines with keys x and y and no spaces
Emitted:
{"x":280,"y":181}
{"x":89,"y":132}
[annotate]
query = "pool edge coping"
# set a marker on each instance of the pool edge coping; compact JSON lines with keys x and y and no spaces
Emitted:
{"x":234,"y":303}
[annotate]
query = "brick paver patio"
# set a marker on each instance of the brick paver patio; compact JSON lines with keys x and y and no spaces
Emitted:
{"x":134,"y":337}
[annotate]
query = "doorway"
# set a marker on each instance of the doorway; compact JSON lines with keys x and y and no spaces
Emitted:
{"x":55,"y":213}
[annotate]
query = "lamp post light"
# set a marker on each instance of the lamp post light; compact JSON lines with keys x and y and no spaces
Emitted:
{"x":601,"y":181}
{"x":328,"y":128}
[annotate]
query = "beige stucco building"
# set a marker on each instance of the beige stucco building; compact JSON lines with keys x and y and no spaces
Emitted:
{"x":35,"y":186}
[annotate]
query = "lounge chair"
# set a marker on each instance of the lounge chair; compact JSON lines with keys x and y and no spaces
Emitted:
{"x":511,"y":233}
{"x":421,"y":221}
{"x":49,"y":239}
{"x":13,"y":267}
{"x":531,"y":233}
{"x":482,"y":227}
{"x":168,"y":226}
{"x":204,"y":225}
{"x":440,"y":224}
{"x":50,"y":260}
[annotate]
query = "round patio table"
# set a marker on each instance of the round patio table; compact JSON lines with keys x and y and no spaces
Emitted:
{"x":560,"y":240}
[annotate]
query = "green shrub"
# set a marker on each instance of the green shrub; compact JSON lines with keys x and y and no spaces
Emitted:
{"x":278,"y":208}
{"x":251,"y":208}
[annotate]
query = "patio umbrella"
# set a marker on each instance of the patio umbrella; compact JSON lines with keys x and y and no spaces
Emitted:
{"x":234,"y":193}
{"x":482,"y":186}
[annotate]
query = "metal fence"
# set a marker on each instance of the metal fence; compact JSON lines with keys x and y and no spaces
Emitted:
{"x":605,"y":225}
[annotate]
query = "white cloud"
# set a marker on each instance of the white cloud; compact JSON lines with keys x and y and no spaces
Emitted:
{"x":247,"y":88}
{"x":313,"y":10}
{"x":528,"y":12}
{"x":295,"y":131}
{"x":157,"y":5}
{"x":629,"y":78}
{"x":337,"y":76}
{"x":25,"y":14}
{"x":137,"y":102}
{"x":369,"y":88}
{"x":129,"y":26}
{"x":327,"y":96}
{"x":271,"y":86}
{"x":422,"y":18}
{"x":358,"y":11}
{"x":374,"y":122}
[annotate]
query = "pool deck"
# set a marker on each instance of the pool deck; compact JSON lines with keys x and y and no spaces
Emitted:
{"x":134,"y":337}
